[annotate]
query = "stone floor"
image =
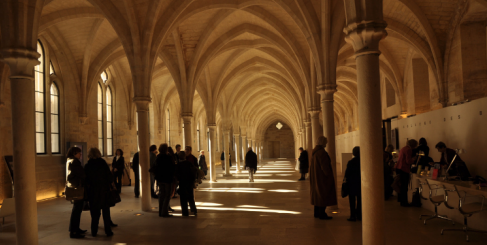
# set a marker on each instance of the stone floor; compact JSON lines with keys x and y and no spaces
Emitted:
{"x":274,"y":209}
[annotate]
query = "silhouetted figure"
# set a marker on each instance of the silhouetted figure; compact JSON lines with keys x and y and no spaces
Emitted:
{"x":164,"y":175}
{"x":118,"y":166}
{"x":251,"y":163}
{"x":75,"y":178}
{"x":403,"y":169}
{"x":202,"y":163}
{"x":352,"y":176}
{"x":303,"y":163}
{"x":186,"y":174}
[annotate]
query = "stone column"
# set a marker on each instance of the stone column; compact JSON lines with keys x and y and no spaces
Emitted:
{"x":328,"y":113}
{"x":21,"y":63}
{"x":309,"y":139}
{"x":254,"y":145}
{"x":315,"y":125}
{"x":237,"y":152}
{"x":212,"y":153}
{"x":226,"y":147}
{"x":188,"y":133}
{"x":364,"y":37}
{"x":244,"y":147}
{"x":142,"y":105}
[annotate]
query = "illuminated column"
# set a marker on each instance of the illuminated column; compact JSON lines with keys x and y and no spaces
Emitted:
{"x":237,"y":152}
{"x":212,"y":129}
{"x":142,"y":104}
{"x":365,"y":28}
{"x":188,"y":133}
{"x":309,"y":139}
{"x":244,"y":147}
{"x":315,"y":125}
{"x":226,"y":146}
{"x":21,"y":63}
{"x":328,"y":114}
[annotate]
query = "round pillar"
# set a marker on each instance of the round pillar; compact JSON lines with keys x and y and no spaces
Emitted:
{"x":142,"y":105}
{"x":212,"y":153}
{"x":237,"y":152}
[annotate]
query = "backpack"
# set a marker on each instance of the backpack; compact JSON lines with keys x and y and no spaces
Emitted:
{"x":416,"y":199}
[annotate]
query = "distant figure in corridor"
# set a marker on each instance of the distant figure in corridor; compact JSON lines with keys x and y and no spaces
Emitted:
{"x":118,"y":166}
{"x":136,"y":168}
{"x":403,"y":169}
{"x":98,"y":182}
{"x":186,"y":174}
{"x":222,"y":157}
{"x":75,"y":178}
{"x":322,"y":181}
{"x":251,"y":163}
{"x":353,"y":178}
{"x":152,"y":161}
{"x":303,"y":163}
{"x":163,"y":172}
{"x":202,"y":163}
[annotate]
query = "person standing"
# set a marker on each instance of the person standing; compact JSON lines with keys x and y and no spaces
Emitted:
{"x":152,"y":161}
{"x":303,"y":163}
{"x":403,"y":169}
{"x":230,"y":159}
{"x":163,"y":172}
{"x":189,"y":156}
{"x":251,"y":163}
{"x":75,"y":178}
{"x":388,"y":171}
{"x":202,"y":163}
{"x":118,"y":166}
{"x":222,"y":157}
{"x":353,"y":178}
{"x":135,"y":167}
{"x":186,"y":174}
{"x":178,"y":149}
{"x":98,"y":182}
{"x":322,"y":181}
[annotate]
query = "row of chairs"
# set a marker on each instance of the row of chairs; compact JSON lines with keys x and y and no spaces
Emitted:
{"x":439,"y":194}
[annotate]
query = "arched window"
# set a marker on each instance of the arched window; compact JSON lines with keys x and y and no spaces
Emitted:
{"x":40,"y":103}
{"x":109,"y":122}
{"x":100,"y":118}
{"x":168,"y":127}
{"x":55,"y":128}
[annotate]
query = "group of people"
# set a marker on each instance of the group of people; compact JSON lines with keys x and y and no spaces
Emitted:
{"x":96,"y":179}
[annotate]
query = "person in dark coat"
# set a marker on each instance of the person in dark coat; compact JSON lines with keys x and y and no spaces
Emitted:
{"x":163,"y":172}
{"x":222,"y":157}
{"x":251,"y":163}
{"x":230,"y":159}
{"x":186,"y":174}
{"x":175,"y":183}
{"x":135,"y":167}
{"x":352,"y":176}
{"x":98,"y":182}
{"x":118,"y":167}
{"x":75,"y":178}
{"x":189,"y":156}
{"x":322,"y":180}
{"x":303,"y":163}
{"x":202,"y":163}
{"x":458,"y":168}
{"x":152,"y":161}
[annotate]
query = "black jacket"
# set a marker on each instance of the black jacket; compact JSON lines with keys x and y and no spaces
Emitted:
{"x":135,"y":162}
{"x":202,"y":162}
{"x":251,"y":160}
{"x":98,"y":182}
{"x":119,"y":165}
{"x":303,"y":160}
{"x":192,"y":159}
{"x":164,"y":169}
{"x":352,"y":176}
{"x":76,"y":174}
{"x":186,"y":173}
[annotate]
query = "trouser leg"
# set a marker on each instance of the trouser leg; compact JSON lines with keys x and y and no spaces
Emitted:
{"x":95,"y":219}
{"x":184,"y":203}
{"x":76,"y":216}
{"x":351,"y":200}
{"x":152,"y":191}
{"x":137,"y":184}
{"x":404,"y":187}
{"x":118,"y":183}
{"x":192,"y":204}
{"x":107,"y":220}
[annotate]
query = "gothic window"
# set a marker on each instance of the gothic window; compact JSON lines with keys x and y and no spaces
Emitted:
{"x":109,"y":122}
{"x":100,"y":118}
{"x":40,"y":103}
{"x":55,"y":125}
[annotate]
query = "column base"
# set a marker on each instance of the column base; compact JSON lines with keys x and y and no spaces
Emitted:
{"x":227,"y":175}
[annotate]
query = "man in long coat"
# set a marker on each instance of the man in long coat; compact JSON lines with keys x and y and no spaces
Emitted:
{"x":322,"y":181}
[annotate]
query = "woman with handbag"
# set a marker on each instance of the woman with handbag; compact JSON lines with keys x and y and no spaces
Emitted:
{"x":99,"y":181}
{"x":75,"y":182}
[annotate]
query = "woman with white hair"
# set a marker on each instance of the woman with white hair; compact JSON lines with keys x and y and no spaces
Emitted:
{"x":202,"y":163}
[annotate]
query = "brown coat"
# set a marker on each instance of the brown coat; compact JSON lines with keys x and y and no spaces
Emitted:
{"x":322,"y":181}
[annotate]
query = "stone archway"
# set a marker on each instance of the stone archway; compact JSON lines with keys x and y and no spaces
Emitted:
{"x":279,"y":143}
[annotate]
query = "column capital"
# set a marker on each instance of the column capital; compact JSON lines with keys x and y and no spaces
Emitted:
{"x":142,"y":103}
{"x":236,"y":135}
{"x":21,"y":62}
{"x":314,"y":112}
{"x":327,"y":91}
{"x":187,"y":116}
{"x":365,"y":36}
{"x":212,"y":126}
{"x":307,"y":123}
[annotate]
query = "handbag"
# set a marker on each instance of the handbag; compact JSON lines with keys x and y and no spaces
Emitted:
{"x":74,"y":194}
{"x":345,"y":188}
{"x":114,"y":197}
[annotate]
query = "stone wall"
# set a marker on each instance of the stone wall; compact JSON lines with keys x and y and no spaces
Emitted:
{"x":285,"y":138}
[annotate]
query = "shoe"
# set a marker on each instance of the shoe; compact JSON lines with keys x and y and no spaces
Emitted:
{"x":166,"y":216}
{"x":171,"y":210}
{"x":82,"y":231}
{"x":351,"y":219}
{"x":113,"y":225}
{"x":301,"y":179}
{"x":136,"y":196}
{"x":93,"y":234}
{"x":155,"y":196}
{"x":76,"y":235}
{"x":195,"y":213}
{"x":326,"y":217}
{"x":110,"y":234}
{"x":185,"y":215}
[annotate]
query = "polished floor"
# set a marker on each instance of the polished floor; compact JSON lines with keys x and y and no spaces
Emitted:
{"x":274,"y":209}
